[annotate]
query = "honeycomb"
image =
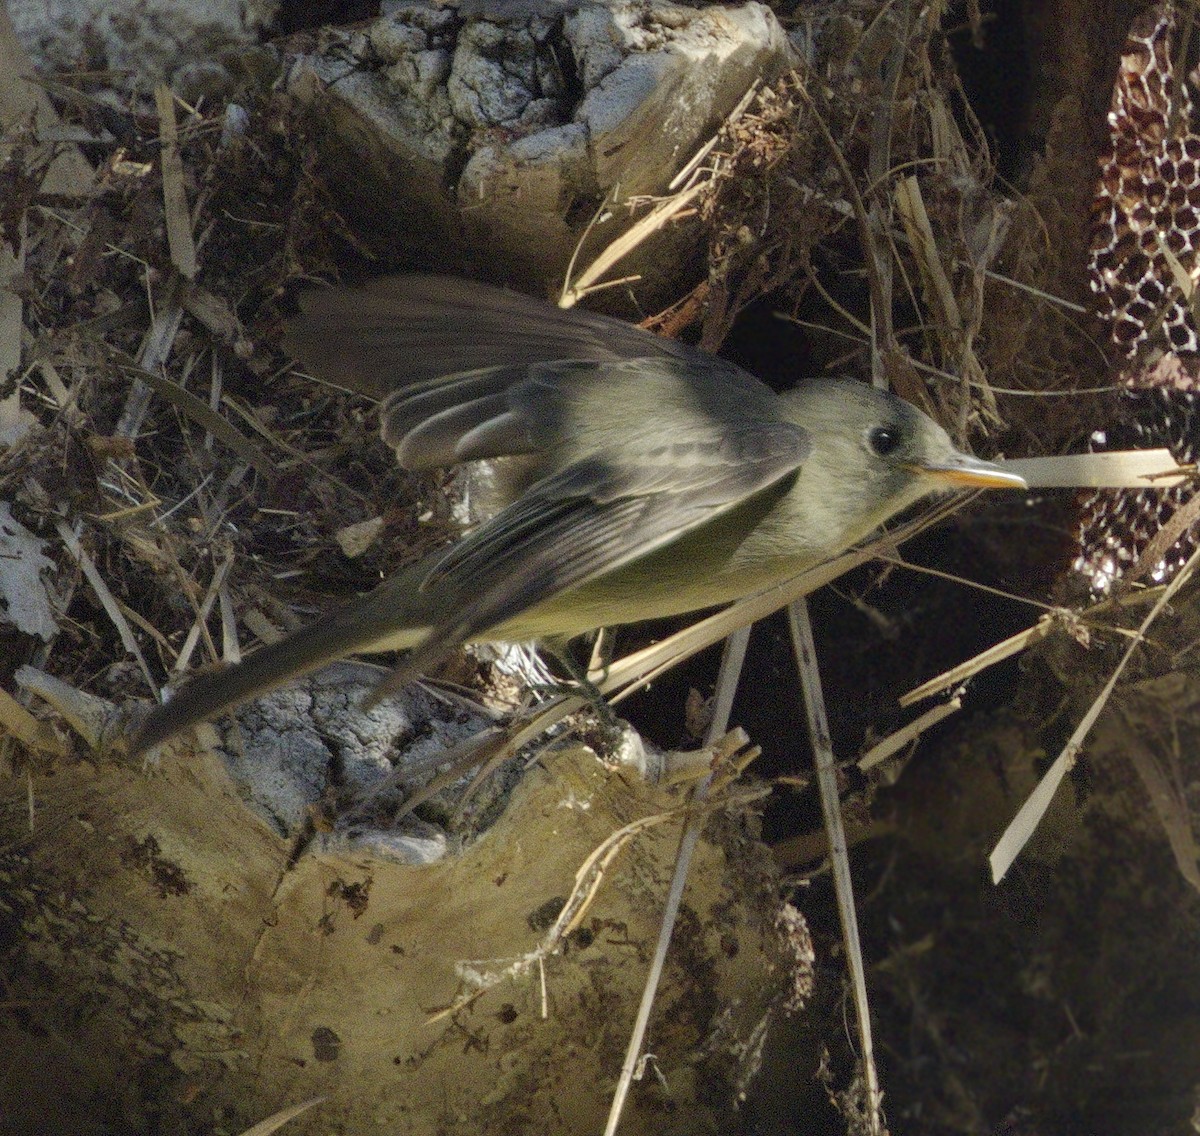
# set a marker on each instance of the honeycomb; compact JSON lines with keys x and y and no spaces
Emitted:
{"x":1145,"y":234}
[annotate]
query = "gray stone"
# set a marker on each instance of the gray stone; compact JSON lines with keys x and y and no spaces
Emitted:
{"x":505,"y":129}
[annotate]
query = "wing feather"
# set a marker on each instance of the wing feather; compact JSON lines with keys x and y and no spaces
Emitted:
{"x":394,"y":331}
{"x":590,"y":519}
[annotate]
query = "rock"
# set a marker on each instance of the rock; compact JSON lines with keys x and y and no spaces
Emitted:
{"x":181,"y":42}
{"x":505,"y":129}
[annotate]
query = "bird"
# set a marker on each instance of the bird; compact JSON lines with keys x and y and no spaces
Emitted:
{"x":640,"y":477}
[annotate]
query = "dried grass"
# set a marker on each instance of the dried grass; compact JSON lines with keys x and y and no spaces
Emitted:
{"x":159,"y":411}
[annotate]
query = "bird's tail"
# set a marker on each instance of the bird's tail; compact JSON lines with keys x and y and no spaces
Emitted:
{"x":373,"y":622}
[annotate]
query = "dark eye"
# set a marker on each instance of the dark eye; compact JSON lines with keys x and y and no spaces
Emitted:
{"x":884,"y":440}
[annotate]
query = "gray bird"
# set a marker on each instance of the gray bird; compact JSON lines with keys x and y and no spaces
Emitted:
{"x":640,"y":477}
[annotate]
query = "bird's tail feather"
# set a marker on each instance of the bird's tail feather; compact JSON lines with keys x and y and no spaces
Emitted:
{"x":354,"y":627}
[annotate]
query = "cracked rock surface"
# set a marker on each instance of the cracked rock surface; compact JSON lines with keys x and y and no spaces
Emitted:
{"x":507,"y":131}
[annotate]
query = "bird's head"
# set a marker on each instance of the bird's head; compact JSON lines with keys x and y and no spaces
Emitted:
{"x":874,"y":454}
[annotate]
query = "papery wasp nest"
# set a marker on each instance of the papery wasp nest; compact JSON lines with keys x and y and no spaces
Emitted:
{"x":1145,"y":237}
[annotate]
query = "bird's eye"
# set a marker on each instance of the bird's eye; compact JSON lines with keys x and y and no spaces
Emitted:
{"x":884,"y":440}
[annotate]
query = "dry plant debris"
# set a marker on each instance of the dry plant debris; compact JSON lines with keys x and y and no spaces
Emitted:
{"x":235,"y":477}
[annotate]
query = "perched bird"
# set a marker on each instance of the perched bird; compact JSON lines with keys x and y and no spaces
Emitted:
{"x":640,"y":477}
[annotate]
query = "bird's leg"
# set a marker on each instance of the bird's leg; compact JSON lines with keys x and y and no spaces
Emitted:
{"x":578,"y":682}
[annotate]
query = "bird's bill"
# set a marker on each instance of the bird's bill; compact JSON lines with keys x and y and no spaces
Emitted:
{"x":970,"y":473}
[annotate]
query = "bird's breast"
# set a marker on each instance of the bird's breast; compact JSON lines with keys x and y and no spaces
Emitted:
{"x":731,"y":556}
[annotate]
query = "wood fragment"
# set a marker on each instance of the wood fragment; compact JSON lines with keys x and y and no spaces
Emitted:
{"x":180,"y":241}
{"x":90,"y":717}
{"x":18,"y":723}
{"x":805,"y":649}
{"x":994,"y":654}
{"x":277,"y":1120}
{"x":108,"y":601}
{"x":896,"y":741}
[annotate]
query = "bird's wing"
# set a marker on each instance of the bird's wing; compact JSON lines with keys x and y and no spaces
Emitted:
{"x":456,"y":418}
{"x":570,"y":407}
{"x":445,"y":356}
{"x":597,"y":515}
{"x":398,"y":331}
